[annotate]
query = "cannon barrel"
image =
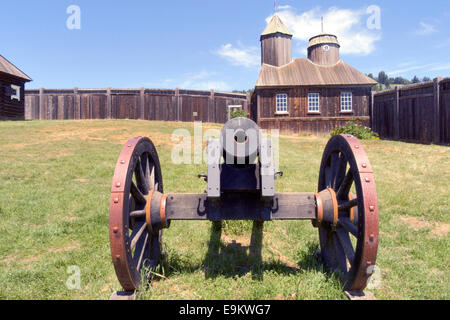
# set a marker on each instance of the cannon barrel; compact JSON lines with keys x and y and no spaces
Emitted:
{"x":240,"y":140}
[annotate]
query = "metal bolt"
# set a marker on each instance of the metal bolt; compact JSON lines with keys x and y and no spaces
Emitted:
{"x":122,"y":161}
{"x":115,"y":230}
{"x":364,"y":165}
{"x":116,"y":200}
{"x":356,"y":147}
{"x":372,"y":238}
{"x":367,"y":180}
{"x":118,"y":184}
{"x":372,"y":208}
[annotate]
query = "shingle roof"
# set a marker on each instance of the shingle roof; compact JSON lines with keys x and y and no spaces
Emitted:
{"x":323,"y":39}
{"x":9,"y":68}
{"x":303,"y":72}
{"x":276,"y":26}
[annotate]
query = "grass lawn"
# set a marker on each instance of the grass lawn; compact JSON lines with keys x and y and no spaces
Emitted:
{"x":54,"y":206}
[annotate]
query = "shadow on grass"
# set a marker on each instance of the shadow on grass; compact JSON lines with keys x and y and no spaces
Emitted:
{"x":235,"y":260}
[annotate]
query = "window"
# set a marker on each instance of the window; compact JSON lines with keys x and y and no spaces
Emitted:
{"x":346,"y":102}
{"x":282,"y":103}
{"x":314,"y":102}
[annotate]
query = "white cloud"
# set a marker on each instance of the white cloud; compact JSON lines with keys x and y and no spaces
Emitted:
{"x":350,"y":26}
{"x":435,"y":66}
{"x":425,"y":29}
{"x":244,"y":56}
{"x":441,"y":67}
{"x":203,"y":80}
{"x":407,"y":69}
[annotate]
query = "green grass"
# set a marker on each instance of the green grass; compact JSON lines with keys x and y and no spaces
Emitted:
{"x":54,"y":202}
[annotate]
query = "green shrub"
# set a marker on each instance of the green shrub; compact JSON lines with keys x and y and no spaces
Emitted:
{"x":239,"y":114}
{"x":359,"y":131}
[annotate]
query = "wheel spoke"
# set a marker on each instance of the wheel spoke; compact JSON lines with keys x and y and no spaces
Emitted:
{"x":346,"y":185}
{"x":340,"y":174}
{"x":346,"y":244}
{"x":339,"y":254}
{"x":328,"y":177}
{"x":349,"y":226}
{"x":138,"y":214}
{"x":140,"y":175}
{"x":348,"y":205}
{"x":151,"y":179}
{"x":334,"y":165}
{"x":137,"y":194}
{"x":137,"y":233}
{"x":139,"y":252}
{"x":155,"y":253}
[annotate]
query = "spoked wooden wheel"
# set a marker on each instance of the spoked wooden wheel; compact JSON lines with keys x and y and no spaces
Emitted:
{"x":348,"y":228}
{"x":133,"y":245}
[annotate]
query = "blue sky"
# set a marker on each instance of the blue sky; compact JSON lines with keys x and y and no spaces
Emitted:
{"x":211,"y":44}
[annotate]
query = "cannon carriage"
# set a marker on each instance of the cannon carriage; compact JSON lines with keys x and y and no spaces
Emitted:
{"x":241,"y":186}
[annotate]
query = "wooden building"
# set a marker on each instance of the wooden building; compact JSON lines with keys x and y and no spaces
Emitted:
{"x":12,"y":91}
{"x":314,"y":94}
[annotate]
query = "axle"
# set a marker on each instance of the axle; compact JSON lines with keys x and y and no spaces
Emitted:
{"x":161,"y":209}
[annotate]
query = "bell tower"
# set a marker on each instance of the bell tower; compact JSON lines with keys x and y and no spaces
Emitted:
{"x":276,"y":43}
{"x":323,"y":49}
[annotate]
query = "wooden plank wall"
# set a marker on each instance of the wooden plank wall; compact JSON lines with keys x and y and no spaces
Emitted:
{"x":11,"y":109}
{"x":318,"y":126}
{"x":415,"y":113}
{"x":299,"y":120}
{"x":144,"y":104}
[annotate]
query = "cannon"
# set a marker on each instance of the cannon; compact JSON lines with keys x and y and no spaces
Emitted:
{"x":240,"y":186}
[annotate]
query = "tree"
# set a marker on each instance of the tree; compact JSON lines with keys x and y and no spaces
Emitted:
{"x":370,"y":75}
{"x":415,"y":80}
{"x":401,"y":80}
{"x":426,"y":79}
{"x":382,"y":77}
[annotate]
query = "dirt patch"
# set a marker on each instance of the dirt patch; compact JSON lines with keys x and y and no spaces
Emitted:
{"x":438,"y":229}
{"x":26,"y":263}
{"x":415,"y":223}
{"x":441,"y":229}
{"x":156,"y":137}
{"x":238,"y":240}
{"x":283,"y":258}
{"x":82,"y":180}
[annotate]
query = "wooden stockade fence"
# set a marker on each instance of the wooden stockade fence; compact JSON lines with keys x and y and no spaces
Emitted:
{"x":415,"y":113}
{"x":144,"y":104}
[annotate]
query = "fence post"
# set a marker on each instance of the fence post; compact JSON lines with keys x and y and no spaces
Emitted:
{"x":212,"y":106}
{"x":177,"y":101}
{"x":371,"y":111}
{"x":142,"y":104}
{"x":41,"y":104}
{"x":76,"y":104}
{"x":108,"y":103}
{"x":397,"y":114}
{"x":247,"y":102}
{"x":437,"y":109}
